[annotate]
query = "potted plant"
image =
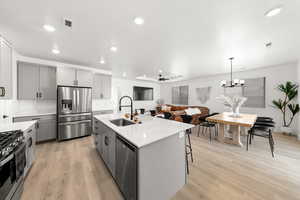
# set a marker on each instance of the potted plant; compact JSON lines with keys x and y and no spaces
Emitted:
{"x":286,"y":105}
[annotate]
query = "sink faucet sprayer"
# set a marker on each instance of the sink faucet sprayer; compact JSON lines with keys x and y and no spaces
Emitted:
{"x":120,"y":105}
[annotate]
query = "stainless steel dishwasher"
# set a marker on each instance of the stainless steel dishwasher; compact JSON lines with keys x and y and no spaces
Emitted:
{"x":126,"y":168}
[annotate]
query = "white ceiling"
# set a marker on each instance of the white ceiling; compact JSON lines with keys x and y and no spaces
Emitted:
{"x":191,"y":38}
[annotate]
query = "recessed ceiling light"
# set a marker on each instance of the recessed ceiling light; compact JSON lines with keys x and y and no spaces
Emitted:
{"x":113,"y":48}
{"x":124,"y":74}
{"x":160,"y":71}
{"x":49,"y":28}
{"x":139,"y":21}
{"x":102,"y":61}
{"x":55,"y":51}
{"x":274,"y":11}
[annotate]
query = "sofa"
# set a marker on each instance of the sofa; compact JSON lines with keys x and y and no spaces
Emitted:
{"x":176,"y":111}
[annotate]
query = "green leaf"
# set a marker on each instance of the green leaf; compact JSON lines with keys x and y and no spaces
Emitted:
{"x":289,"y":89}
{"x":294,"y":108}
{"x":278,"y":104}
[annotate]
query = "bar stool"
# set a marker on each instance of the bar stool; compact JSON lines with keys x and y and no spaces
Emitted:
{"x":188,"y":147}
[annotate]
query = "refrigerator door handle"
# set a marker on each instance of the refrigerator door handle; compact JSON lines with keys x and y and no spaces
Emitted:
{"x":78,"y":101}
{"x":74,"y":106}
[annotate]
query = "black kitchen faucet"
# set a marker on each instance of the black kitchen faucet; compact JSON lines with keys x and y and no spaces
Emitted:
{"x":120,"y":105}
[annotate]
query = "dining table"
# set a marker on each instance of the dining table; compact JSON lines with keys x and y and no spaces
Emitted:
{"x":230,"y":128}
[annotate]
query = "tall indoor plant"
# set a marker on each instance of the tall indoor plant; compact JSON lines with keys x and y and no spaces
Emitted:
{"x":287,"y":106}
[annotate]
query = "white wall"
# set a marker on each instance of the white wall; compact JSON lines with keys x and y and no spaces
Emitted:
{"x":274,"y":75}
{"x":15,"y":107}
{"x":122,"y":87}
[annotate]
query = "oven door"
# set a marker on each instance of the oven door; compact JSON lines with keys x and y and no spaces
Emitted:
{"x":7,"y":176}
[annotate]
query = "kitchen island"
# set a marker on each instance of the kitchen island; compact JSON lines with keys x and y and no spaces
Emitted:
{"x":147,"y":160}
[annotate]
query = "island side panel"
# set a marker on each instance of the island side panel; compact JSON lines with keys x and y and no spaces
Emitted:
{"x":162,"y":168}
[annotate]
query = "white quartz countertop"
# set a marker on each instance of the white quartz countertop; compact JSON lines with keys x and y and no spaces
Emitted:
{"x":151,"y":129}
{"x":37,"y":114}
{"x":16,"y":126}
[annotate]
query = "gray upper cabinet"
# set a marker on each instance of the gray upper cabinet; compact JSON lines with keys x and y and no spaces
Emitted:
{"x":28,"y":81}
{"x":36,"y":82}
{"x":74,"y":77}
{"x":48,"y":82}
{"x":5,"y":70}
{"x":66,"y":76}
{"x":101,"y":86}
{"x":84,"y":78}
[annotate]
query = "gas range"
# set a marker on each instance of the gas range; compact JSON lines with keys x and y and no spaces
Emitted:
{"x":9,"y":141}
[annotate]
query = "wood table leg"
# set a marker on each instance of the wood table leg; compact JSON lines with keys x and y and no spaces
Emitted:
{"x":221,"y":134}
{"x":236,"y":137}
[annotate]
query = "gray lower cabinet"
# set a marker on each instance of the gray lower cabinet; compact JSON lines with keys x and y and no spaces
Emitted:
{"x":46,"y":126}
{"x":105,"y":141}
{"x":46,"y":130}
{"x":111,"y":148}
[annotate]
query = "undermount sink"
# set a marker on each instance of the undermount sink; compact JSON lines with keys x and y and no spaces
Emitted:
{"x":121,"y":122}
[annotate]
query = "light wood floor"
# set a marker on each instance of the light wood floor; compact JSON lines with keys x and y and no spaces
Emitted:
{"x":72,"y":170}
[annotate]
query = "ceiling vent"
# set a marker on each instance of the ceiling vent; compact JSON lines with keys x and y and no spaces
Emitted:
{"x":269,"y":44}
{"x":68,"y":23}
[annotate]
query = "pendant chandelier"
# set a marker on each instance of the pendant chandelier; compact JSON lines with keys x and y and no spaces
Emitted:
{"x":232,"y":82}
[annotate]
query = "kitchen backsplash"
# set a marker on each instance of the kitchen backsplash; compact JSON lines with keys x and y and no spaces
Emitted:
{"x":14,"y":107}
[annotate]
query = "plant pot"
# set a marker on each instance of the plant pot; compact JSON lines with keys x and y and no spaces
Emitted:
{"x":286,"y":130}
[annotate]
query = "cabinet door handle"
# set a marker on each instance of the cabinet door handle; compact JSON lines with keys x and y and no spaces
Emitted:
{"x":106,"y":140}
{"x":2,"y":92}
{"x":37,"y":95}
{"x":30,"y":143}
{"x":40,"y":95}
{"x":29,"y":131}
{"x":35,"y":118}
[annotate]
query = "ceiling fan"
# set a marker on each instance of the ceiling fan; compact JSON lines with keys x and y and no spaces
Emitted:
{"x":170,"y":77}
{"x":160,"y":78}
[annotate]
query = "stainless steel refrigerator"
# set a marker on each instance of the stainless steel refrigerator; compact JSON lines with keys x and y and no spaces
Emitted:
{"x":74,"y":112}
